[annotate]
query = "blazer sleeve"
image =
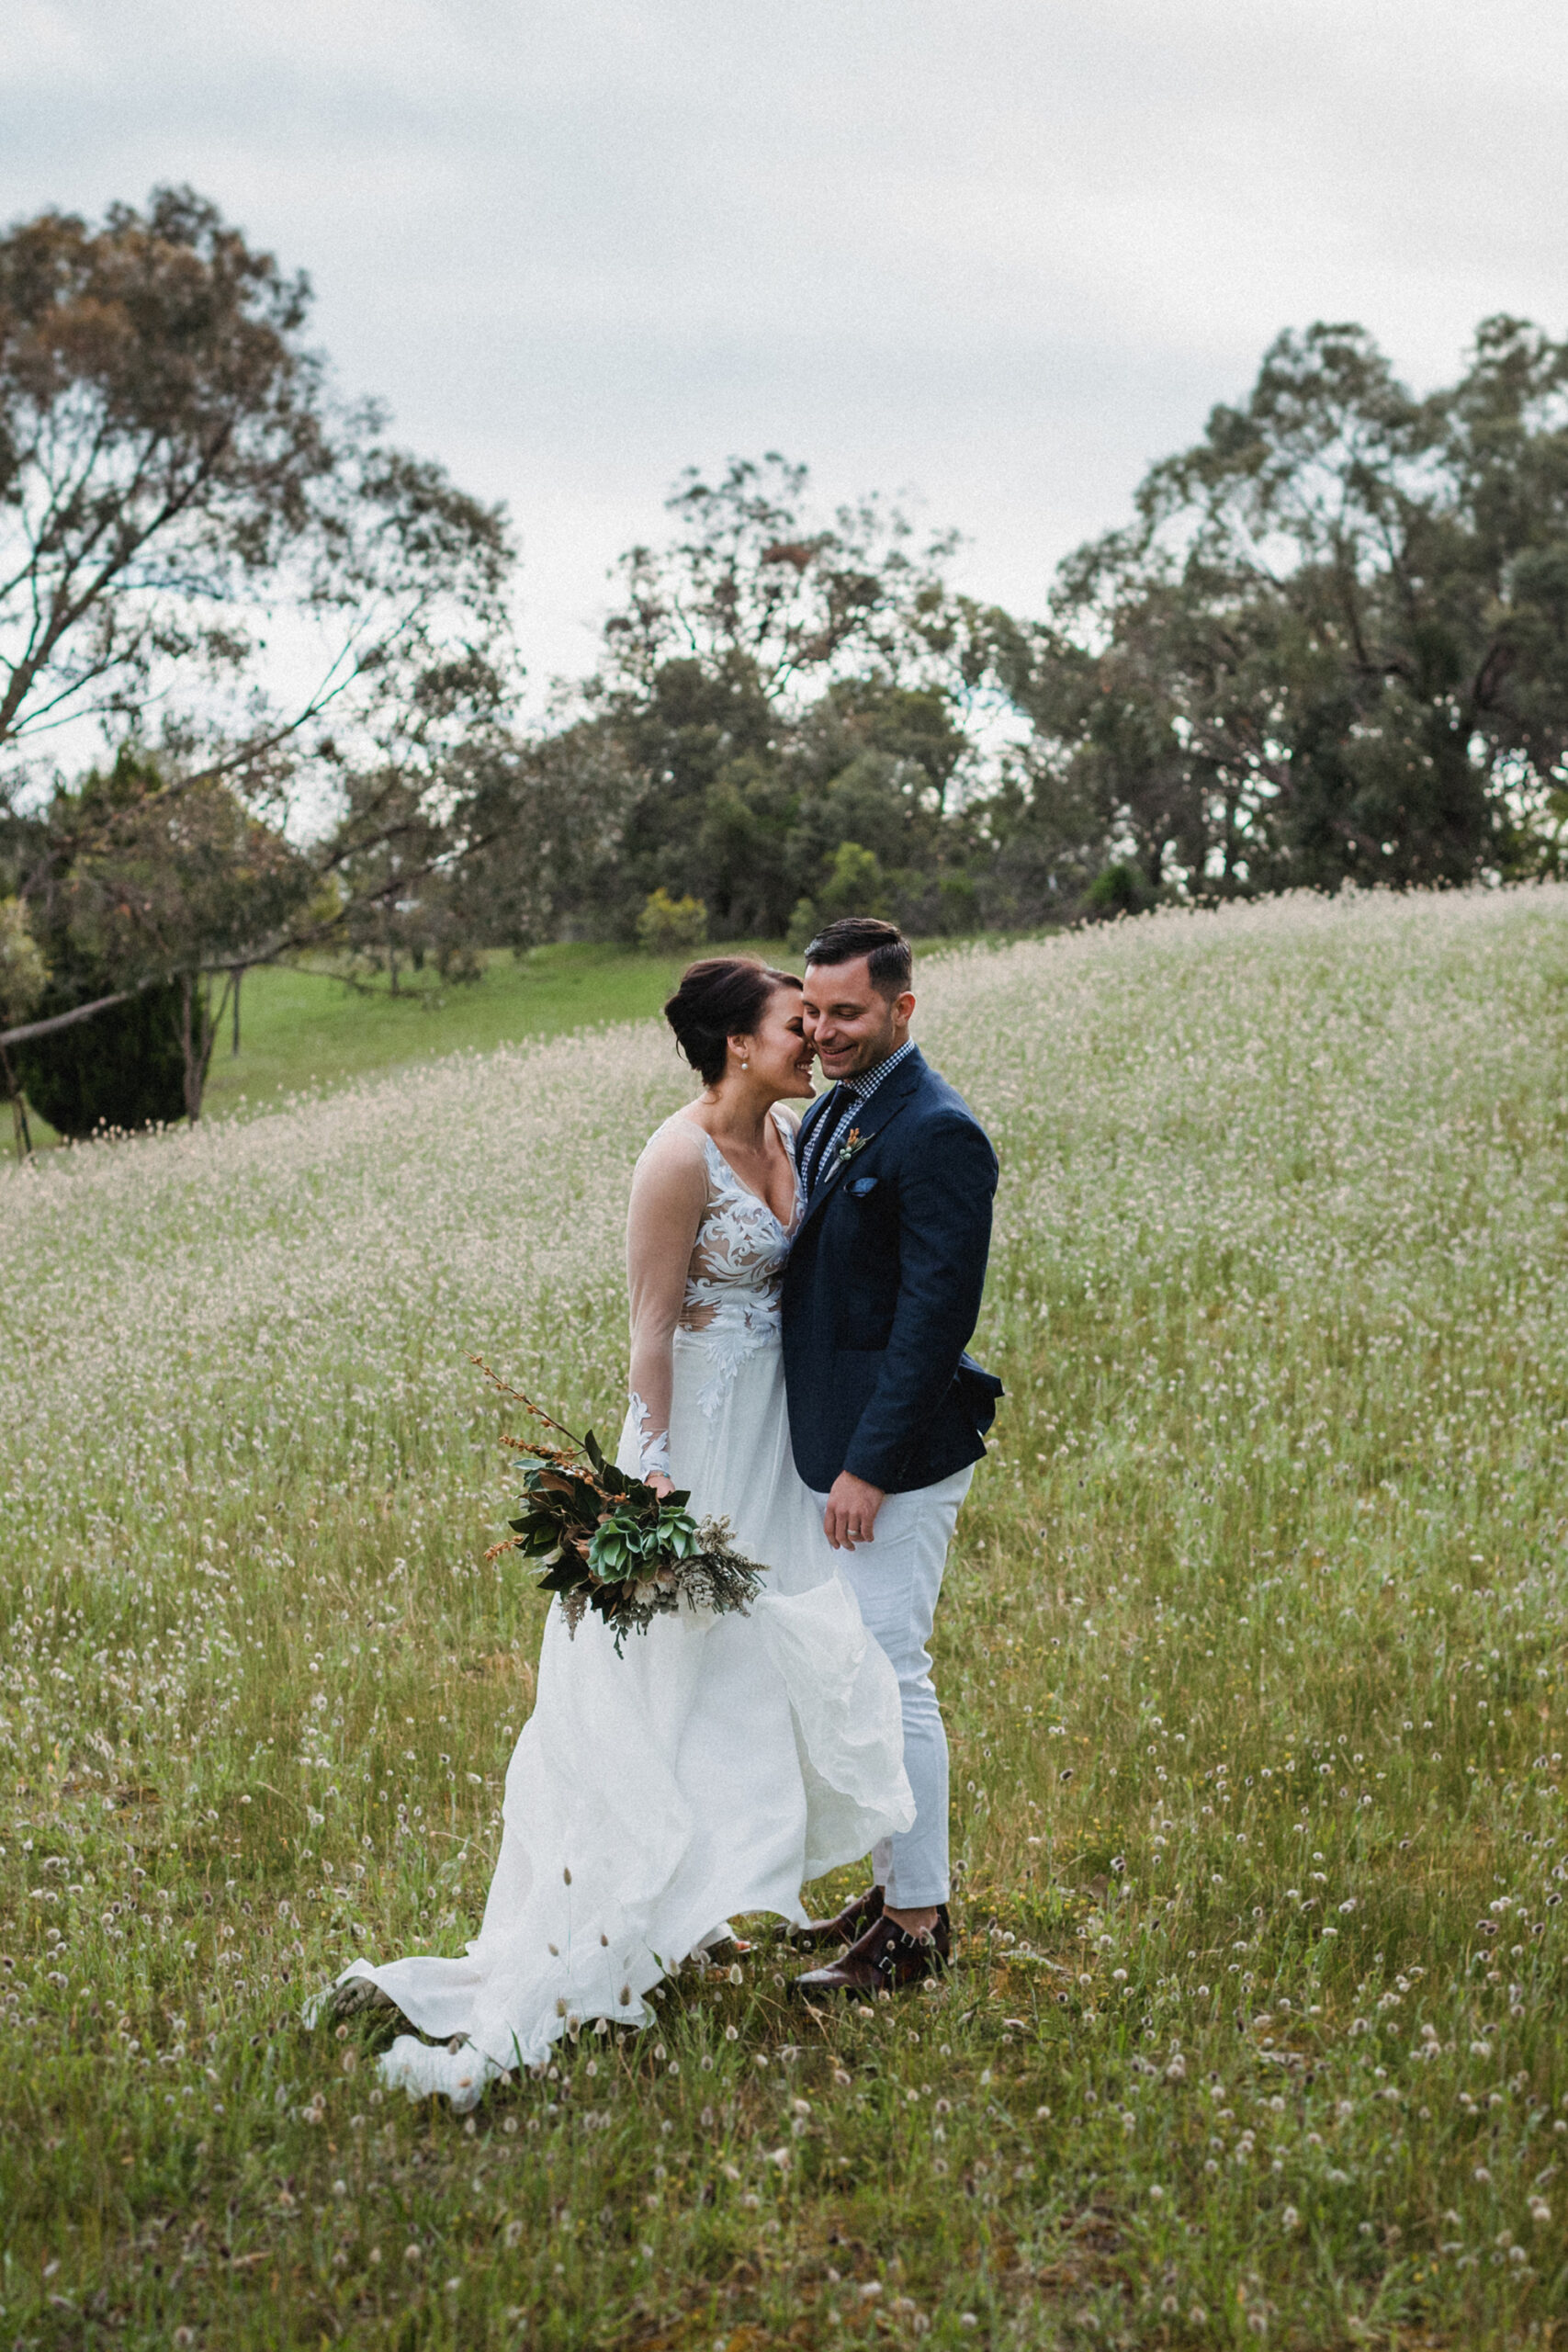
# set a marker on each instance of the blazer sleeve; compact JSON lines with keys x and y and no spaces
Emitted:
{"x":946,"y":1187}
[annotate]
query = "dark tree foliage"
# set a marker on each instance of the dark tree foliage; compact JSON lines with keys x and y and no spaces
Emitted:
{"x":137,"y":885}
{"x":175,"y":472}
{"x":754,"y":587}
{"x":161,"y":439}
{"x":776,"y":687}
{"x":178,"y":482}
{"x":122,"y":1070}
{"x":1332,"y":645}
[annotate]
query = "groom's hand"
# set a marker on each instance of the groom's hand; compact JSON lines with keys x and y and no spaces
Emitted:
{"x":851,"y":1511}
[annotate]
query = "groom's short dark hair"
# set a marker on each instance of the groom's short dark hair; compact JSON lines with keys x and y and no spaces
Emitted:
{"x":887,"y":955}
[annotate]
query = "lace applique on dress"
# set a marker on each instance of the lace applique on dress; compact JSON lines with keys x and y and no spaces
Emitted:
{"x":653,"y":1447}
{"x":735,"y":1282}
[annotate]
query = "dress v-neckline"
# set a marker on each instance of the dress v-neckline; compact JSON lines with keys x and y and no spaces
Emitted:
{"x":751,"y":1192}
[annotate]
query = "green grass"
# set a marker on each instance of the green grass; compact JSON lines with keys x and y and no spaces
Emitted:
{"x":300,"y":1029}
{"x":1252,"y":1655}
{"x":303,"y":1028}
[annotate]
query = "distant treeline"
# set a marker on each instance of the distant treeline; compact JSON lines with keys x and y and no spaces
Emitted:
{"x":1330,"y":645}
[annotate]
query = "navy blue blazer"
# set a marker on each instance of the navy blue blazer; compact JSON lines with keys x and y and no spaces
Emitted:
{"x":881,"y":1292}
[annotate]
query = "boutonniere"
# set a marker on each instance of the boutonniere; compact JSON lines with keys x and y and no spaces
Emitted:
{"x":854,"y":1141}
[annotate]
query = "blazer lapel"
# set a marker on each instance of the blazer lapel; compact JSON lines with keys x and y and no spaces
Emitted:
{"x":814,"y":1114}
{"x":807,"y":1127}
{"x":885,"y":1105}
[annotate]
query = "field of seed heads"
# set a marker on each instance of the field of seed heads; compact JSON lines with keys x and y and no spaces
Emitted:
{"x":1252,"y":1653}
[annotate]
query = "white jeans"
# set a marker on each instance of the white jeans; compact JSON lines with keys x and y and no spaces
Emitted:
{"x":896,"y":1578}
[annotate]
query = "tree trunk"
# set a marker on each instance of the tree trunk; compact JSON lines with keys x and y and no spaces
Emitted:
{"x":197,"y":1030}
{"x":200,"y":1026}
{"x":235,"y":1046}
{"x":18,"y":1108}
{"x":188,"y":985}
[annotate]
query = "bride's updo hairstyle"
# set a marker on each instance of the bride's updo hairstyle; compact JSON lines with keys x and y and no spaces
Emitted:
{"x":722,"y":997}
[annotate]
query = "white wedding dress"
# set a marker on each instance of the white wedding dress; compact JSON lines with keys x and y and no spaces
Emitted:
{"x":714,"y":1767}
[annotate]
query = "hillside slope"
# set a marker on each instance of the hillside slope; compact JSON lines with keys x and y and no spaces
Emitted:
{"x":1251,"y":1654}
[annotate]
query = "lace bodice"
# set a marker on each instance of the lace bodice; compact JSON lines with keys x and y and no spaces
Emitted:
{"x":737,"y":1267}
{"x":719,"y":1294}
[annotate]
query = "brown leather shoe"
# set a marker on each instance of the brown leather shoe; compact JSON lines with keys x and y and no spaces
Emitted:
{"x":884,"y":1958}
{"x":358,"y":1996}
{"x":846,"y":1926}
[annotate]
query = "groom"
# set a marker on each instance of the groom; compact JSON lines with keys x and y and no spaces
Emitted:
{"x":886,"y":1412}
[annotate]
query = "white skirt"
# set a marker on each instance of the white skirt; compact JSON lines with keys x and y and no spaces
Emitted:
{"x":712,"y":1769}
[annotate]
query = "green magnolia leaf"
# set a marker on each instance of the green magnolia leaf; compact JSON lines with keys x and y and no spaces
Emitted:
{"x":608,"y":1541}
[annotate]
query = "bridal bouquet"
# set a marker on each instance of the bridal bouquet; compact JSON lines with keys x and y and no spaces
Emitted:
{"x":608,"y":1543}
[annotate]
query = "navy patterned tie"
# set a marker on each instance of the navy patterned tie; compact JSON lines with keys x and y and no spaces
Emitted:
{"x":832,"y":1112}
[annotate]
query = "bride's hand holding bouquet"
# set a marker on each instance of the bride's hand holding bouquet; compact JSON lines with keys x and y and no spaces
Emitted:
{"x":626,"y":1548}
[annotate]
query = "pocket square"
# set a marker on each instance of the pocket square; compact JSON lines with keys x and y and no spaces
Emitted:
{"x":859,"y":1186}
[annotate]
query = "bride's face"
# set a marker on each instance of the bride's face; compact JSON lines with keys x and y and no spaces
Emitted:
{"x":780,"y":1057}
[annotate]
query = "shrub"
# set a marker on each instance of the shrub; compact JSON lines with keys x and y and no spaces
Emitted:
{"x":667,"y":925}
{"x":122,"y":1069}
{"x":855,"y":883}
{"x":804,"y":925}
{"x":1118,"y":889}
{"x":23,"y":974}
{"x":958,"y":905}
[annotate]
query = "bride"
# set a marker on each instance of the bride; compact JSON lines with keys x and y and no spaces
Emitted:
{"x":721,"y":1761}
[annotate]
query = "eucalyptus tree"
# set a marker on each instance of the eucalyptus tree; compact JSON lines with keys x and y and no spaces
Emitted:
{"x":206,"y":553}
{"x":1331,"y":643}
{"x":772,"y":675}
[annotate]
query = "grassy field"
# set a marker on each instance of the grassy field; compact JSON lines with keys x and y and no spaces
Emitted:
{"x":302,"y":1029}
{"x":1252,"y":1655}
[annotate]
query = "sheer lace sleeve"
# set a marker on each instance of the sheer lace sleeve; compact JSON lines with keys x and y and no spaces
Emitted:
{"x":669,"y":1196}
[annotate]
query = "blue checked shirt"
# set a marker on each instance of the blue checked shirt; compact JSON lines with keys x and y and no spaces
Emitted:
{"x":850,"y":1096}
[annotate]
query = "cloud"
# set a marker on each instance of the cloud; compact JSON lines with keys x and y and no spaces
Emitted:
{"x":1006,"y":252}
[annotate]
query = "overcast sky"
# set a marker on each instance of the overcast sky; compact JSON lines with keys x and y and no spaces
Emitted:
{"x":999,"y":254}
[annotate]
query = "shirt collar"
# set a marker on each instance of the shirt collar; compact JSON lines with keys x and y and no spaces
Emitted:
{"x":865,"y":1083}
